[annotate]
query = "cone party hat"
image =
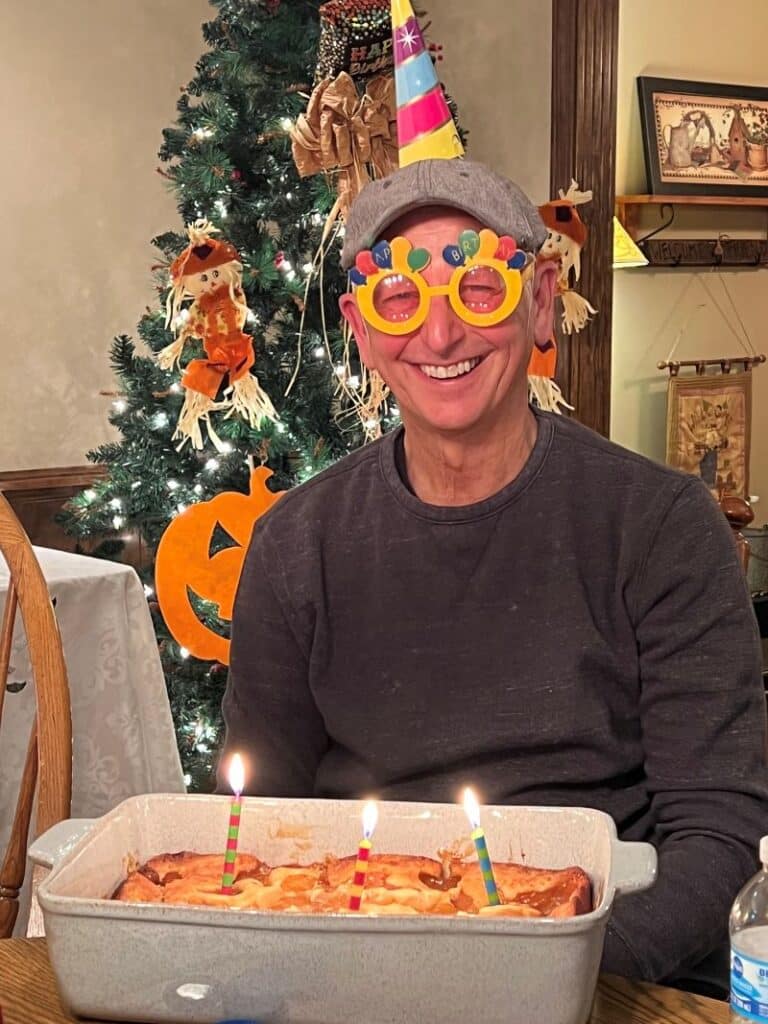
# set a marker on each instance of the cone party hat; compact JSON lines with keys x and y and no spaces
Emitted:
{"x":425,"y":128}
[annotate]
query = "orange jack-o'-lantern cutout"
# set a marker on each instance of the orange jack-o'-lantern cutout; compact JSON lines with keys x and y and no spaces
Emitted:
{"x":184,"y":563}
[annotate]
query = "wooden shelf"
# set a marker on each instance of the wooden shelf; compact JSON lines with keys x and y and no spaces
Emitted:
{"x":627,"y":207}
{"x":691,"y":200}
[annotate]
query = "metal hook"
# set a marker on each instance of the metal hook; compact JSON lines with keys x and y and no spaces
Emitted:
{"x":667,"y":224}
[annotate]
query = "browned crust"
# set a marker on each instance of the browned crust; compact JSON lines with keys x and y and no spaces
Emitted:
{"x":394,"y":884}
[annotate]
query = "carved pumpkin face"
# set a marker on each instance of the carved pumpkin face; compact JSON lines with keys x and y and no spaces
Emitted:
{"x":184,"y":563}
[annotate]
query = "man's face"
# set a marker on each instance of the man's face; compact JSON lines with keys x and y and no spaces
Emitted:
{"x":448,"y":375}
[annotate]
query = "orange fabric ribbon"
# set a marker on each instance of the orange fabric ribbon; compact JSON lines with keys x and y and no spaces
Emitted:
{"x":347,"y":134}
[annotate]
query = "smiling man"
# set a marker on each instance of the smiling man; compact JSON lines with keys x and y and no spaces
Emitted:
{"x":496,"y":596}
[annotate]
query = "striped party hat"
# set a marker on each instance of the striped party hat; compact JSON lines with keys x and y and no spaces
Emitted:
{"x":425,"y":128}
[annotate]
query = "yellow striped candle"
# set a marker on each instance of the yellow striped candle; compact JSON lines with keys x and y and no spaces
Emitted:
{"x":370,"y":817}
{"x":472,"y":808}
{"x":236,"y":777}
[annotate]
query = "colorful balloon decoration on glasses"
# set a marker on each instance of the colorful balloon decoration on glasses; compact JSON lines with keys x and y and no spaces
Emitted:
{"x":474,"y":251}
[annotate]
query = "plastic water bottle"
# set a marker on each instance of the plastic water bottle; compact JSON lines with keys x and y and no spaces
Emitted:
{"x":749,"y":947}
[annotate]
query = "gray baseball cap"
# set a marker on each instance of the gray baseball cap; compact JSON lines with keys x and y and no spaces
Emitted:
{"x":463,"y":184}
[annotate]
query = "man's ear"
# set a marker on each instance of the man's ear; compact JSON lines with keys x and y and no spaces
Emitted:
{"x":351,"y":313}
{"x":544,"y":292}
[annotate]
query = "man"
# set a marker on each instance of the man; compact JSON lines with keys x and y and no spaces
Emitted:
{"x":498,"y":596}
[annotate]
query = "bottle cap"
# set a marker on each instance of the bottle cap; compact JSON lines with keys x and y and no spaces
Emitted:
{"x":764,"y":851}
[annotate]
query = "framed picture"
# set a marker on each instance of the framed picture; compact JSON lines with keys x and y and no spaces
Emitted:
{"x":704,"y":139}
{"x":708,"y":428}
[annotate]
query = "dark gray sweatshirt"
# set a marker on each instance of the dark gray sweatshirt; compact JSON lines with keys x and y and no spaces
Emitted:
{"x":583,"y":637}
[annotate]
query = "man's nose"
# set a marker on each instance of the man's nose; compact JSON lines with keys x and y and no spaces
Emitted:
{"x":443,"y":328}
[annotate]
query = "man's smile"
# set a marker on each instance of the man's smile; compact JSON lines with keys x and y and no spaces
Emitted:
{"x":449,"y":371}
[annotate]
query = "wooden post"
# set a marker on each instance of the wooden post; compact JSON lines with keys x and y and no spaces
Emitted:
{"x":584,"y":85}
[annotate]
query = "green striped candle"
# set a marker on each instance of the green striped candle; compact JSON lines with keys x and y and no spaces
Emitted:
{"x":236,"y":776}
{"x":472,"y":809}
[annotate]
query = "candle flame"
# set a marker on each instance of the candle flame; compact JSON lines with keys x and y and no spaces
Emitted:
{"x":370,"y":818}
{"x":472,"y":807}
{"x":236,"y":774}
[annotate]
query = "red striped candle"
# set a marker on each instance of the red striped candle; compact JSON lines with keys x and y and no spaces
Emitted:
{"x":236,"y":776}
{"x":370,"y":817}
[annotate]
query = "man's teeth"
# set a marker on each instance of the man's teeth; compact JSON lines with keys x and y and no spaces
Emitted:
{"x":454,"y":370}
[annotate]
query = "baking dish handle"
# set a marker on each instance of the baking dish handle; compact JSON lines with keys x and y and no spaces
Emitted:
{"x":633,"y":866}
{"x":52,"y":846}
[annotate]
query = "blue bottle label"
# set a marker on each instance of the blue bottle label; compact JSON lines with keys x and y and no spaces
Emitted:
{"x":749,"y":987}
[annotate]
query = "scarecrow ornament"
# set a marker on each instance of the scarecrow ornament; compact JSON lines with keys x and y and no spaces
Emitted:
{"x":566,"y":237}
{"x":210,"y":273}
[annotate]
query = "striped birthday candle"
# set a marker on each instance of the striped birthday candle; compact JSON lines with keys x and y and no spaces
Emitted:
{"x":472,"y":809}
{"x":370,"y":817}
{"x":236,"y":777}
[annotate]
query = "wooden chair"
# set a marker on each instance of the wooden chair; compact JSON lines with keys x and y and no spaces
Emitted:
{"x":48,"y":764}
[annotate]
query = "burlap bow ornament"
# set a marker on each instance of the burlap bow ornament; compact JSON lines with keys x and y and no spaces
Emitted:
{"x":353,"y":136}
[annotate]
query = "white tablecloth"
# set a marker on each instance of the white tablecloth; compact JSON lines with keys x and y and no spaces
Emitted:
{"x":123,"y":738}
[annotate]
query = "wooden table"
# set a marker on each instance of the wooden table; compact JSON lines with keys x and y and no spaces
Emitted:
{"x":28,"y":995}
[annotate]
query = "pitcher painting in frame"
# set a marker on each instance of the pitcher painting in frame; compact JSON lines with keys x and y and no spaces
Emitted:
{"x":708,"y":429}
{"x":703,"y":138}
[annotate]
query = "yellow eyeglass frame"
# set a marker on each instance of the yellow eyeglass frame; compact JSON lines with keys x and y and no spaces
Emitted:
{"x":514,"y":281}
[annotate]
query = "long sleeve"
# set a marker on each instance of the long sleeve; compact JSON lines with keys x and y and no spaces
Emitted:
{"x":703,"y":726}
{"x":268,"y":708}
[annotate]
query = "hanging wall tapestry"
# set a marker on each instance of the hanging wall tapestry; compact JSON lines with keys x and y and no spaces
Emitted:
{"x":708,"y":421}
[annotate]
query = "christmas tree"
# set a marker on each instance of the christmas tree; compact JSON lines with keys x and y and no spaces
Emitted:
{"x":228,"y":158}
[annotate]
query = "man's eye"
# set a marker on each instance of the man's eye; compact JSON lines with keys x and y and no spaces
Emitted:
{"x":203,"y":277}
{"x":215,"y":273}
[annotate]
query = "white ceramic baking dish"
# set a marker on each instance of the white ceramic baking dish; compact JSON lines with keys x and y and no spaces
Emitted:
{"x":163,"y":963}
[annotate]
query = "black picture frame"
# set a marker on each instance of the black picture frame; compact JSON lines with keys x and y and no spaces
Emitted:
{"x":727,"y":169}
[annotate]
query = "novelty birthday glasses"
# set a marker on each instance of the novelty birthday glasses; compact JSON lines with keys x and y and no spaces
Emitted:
{"x":484,"y":289}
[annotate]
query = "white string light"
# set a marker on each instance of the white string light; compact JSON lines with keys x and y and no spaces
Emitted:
{"x":198,"y":488}
{"x":116,"y":504}
{"x":212,"y":465}
{"x":160,"y":420}
{"x":119,"y":405}
{"x":287,"y":123}
{"x":226,"y":447}
{"x":184,"y":653}
{"x":117,"y":521}
{"x":89,"y":496}
{"x":202,"y":133}
{"x":148,"y":591}
{"x":172,"y":485}
{"x":319,"y":352}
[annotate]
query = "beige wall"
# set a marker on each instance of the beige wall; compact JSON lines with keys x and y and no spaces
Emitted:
{"x":87,"y":88}
{"x":91,"y":87}
{"x":705,"y":41}
{"x":498,"y":69}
